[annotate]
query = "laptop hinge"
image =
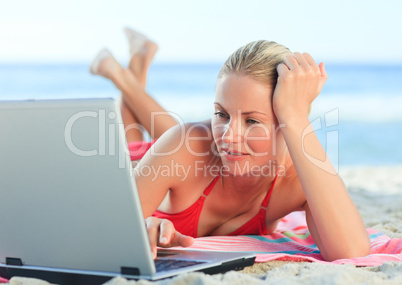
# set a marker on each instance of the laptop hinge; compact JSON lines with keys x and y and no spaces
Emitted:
{"x":129,"y":270}
{"x":13,"y":261}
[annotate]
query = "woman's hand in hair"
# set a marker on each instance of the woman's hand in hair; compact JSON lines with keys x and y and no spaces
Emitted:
{"x":300,"y":80}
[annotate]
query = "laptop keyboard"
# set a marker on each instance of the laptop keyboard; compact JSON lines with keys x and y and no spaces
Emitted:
{"x":170,"y":264}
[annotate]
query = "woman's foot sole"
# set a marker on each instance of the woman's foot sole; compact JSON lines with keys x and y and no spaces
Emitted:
{"x":104,"y":64}
{"x":139,"y":43}
{"x":95,"y":65}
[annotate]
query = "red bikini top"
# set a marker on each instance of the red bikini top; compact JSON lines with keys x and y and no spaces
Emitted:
{"x":186,"y":222}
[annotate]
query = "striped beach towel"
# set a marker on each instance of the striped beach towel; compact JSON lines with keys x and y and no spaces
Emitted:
{"x":291,"y":241}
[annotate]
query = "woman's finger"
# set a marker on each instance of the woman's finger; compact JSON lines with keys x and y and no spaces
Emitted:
{"x":167,"y":231}
{"x":184,"y":240}
{"x":169,"y":237}
{"x":324,"y":74}
{"x":323,"y":77}
{"x":310,"y":60}
{"x":290,"y":61}
{"x":300,"y":59}
{"x":282,"y":69}
{"x":152,"y":225}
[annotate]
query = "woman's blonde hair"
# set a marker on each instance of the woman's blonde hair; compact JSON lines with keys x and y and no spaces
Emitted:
{"x":258,"y":59}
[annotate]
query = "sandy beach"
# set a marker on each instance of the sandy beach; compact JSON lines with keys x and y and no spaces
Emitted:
{"x":376,"y":191}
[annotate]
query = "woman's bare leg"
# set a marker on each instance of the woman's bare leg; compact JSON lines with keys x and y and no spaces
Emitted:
{"x":142,"y":52}
{"x":144,"y":108}
{"x":103,"y":65}
{"x":134,"y":130}
{"x":139,"y":65}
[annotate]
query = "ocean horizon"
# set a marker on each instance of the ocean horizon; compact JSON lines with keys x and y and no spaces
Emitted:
{"x":357,"y":115}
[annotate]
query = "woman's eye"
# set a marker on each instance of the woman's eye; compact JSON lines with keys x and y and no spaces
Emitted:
{"x":220,"y":114}
{"x":251,"y":121}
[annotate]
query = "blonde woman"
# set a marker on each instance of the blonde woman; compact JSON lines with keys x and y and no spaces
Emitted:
{"x":246,"y":168}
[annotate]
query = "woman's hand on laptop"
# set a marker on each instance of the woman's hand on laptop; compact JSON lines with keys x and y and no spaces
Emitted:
{"x":162,"y":233}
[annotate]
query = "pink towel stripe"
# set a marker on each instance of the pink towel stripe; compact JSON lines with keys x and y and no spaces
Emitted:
{"x":292,"y":242}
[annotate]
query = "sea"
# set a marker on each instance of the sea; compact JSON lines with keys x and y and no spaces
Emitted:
{"x":357,"y":117}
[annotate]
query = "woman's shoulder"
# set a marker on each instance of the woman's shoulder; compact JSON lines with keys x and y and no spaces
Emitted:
{"x":189,"y":145}
{"x":200,"y":129}
{"x":180,"y":135}
{"x":182,"y":152}
{"x":194,"y":139}
{"x":190,"y":148}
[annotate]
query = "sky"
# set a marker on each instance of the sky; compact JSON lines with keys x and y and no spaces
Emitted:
{"x":200,"y":31}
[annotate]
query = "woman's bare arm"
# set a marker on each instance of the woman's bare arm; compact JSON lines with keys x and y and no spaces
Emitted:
{"x":333,"y":219}
{"x":159,"y":171}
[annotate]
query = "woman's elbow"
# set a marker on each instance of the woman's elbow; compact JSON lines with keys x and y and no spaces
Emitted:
{"x":360,"y":249}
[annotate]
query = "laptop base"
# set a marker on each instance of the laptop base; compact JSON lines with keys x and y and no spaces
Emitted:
{"x":64,"y":277}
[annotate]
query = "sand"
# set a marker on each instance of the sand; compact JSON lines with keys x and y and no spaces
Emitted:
{"x":376,"y":191}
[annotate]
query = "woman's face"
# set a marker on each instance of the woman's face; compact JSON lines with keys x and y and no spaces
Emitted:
{"x":244,"y":127}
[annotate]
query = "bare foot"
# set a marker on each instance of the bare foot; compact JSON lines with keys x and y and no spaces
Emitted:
{"x":142,"y":51}
{"x":148,"y":51}
{"x":137,"y":41}
{"x":105,"y":64}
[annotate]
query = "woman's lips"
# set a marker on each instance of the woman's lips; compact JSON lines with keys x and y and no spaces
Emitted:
{"x":233,"y":155}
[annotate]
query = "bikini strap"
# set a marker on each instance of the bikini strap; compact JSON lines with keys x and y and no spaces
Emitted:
{"x":210,"y":186}
{"x":265,"y":202}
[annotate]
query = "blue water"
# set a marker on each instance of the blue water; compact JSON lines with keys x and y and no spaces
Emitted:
{"x":367,"y":100}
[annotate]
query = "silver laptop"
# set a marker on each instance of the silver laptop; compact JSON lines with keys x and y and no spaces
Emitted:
{"x":69,"y":207}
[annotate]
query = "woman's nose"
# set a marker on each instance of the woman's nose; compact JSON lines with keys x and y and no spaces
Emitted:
{"x":233,"y":132}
